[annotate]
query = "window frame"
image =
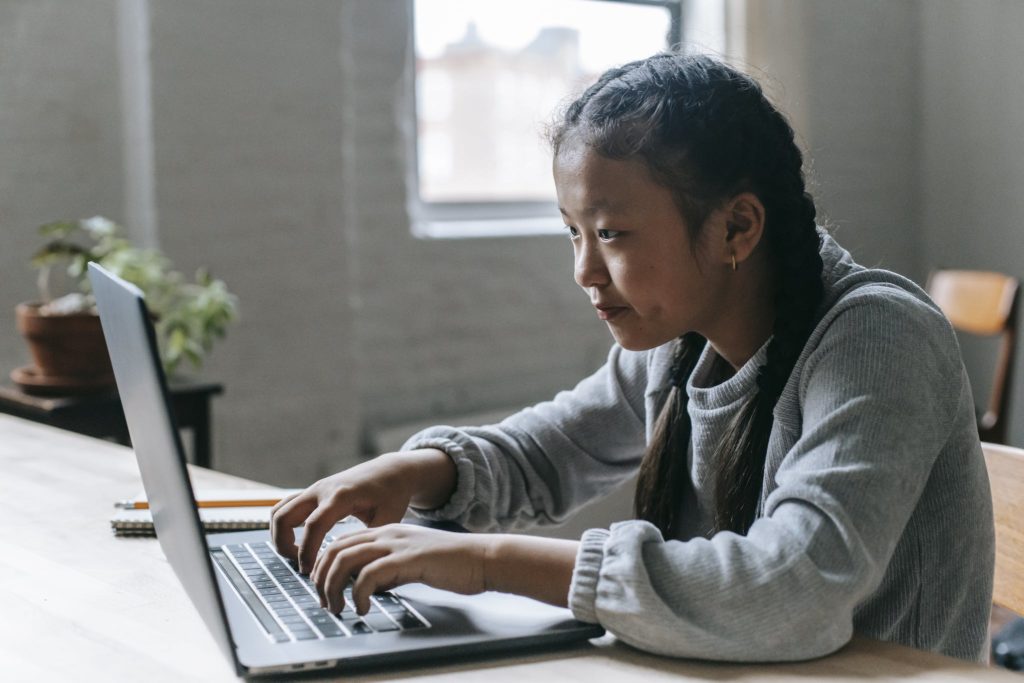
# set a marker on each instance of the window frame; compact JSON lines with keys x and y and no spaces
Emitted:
{"x":457,"y":220}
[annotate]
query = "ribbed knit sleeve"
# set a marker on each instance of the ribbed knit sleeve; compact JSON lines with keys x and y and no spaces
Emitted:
{"x":586,"y":573}
{"x":544,"y":462}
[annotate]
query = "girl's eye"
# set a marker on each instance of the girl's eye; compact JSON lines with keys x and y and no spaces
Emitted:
{"x":608,"y":234}
{"x":573,"y":232}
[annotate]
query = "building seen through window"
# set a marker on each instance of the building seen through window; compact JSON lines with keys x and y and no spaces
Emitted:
{"x":489,"y":77}
{"x":482,"y":111}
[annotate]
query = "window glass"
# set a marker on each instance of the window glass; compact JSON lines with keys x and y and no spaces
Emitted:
{"x":490,"y":75}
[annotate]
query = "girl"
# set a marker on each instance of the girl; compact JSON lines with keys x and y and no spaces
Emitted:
{"x":809,"y":464}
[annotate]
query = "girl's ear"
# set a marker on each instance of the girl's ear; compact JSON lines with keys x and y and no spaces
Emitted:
{"x":744,"y":226}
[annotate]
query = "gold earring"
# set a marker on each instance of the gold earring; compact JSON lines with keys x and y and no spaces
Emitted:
{"x":734,"y":262}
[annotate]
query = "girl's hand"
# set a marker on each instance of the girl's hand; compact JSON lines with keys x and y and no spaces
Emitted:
{"x":378,"y":492}
{"x":385,"y":557}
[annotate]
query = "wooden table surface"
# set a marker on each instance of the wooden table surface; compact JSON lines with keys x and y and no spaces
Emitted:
{"x":79,"y":603}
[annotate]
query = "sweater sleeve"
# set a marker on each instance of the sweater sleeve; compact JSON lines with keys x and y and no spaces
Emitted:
{"x":542,"y":463}
{"x":878,"y":394}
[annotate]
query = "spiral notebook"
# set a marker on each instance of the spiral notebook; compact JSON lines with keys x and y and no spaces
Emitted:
{"x":129,"y":521}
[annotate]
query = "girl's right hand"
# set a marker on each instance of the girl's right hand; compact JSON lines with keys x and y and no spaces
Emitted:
{"x":378,"y":492}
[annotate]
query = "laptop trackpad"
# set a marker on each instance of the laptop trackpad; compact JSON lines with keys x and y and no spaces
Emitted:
{"x":491,"y":612}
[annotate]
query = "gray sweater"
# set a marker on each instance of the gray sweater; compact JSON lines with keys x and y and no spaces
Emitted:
{"x":875,"y":516}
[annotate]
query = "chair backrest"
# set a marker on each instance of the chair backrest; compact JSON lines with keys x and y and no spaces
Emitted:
{"x":1006,"y":475}
{"x":983,"y":303}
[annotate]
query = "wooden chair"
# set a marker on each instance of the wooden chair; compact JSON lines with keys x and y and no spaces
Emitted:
{"x":1006,"y":475}
{"x":985,"y":304}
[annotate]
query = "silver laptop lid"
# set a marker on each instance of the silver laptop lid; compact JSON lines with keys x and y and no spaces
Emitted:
{"x":131,"y":343}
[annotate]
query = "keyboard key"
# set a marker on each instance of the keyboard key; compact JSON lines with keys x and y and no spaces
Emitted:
{"x":357,"y":627}
{"x":380,"y":622}
{"x":331,"y":630}
{"x":408,"y":620}
{"x":315,"y":611}
{"x":321,"y":618}
{"x":306,"y":635}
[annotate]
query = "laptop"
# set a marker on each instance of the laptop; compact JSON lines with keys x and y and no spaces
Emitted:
{"x":265,"y":616}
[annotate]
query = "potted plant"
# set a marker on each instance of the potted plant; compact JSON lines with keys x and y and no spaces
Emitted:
{"x":64,"y":333}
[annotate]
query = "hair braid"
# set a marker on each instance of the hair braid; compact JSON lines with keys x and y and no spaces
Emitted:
{"x":661,"y":478}
{"x":799,"y":289}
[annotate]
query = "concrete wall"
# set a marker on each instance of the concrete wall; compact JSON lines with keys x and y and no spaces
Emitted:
{"x":847,"y":73}
{"x":972,"y":165}
{"x":60,"y":135}
{"x":247,"y":127}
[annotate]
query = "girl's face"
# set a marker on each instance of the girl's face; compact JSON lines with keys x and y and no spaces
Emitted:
{"x":633,"y":254}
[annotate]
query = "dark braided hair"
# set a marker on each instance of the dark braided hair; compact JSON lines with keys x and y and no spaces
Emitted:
{"x":707,"y":132}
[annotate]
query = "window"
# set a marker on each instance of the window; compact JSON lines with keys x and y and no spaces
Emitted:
{"x":488,"y":77}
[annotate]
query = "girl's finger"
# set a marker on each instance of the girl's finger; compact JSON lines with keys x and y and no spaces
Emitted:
{"x":325,"y":560}
{"x":343,"y":541}
{"x":289,"y":515}
{"x":283,"y":501}
{"x":346,"y":563}
{"x":376,"y":576}
{"x":319,"y":572}
{"x":318,"y":523}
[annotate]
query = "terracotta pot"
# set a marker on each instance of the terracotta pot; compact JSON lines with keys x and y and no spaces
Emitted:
{"x":66,"y":347}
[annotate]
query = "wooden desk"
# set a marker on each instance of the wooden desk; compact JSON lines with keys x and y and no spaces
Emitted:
{"x":78,"y":603}
{"x":101,"y":415}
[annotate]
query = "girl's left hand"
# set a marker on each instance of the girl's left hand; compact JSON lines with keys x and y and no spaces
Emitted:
{"x":384,"y":557}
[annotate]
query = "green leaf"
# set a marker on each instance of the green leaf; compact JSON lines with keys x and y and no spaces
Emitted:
{"x":191,"y":315}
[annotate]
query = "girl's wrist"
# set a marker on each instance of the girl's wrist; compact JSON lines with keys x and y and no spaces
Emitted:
{"x":491,"y":560}
{"x":540,"y":568}
{"x":433,"y":473}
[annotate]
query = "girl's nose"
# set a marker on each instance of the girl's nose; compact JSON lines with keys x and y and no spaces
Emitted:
{"x":590,"y":269}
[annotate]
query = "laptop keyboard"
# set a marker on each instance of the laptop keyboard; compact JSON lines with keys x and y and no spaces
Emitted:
{"x":287,"y":605}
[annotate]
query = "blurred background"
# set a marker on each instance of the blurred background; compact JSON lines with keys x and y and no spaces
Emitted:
{"x":370,"y":178}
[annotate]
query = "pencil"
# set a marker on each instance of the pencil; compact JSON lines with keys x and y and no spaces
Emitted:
{"x":241,"y":503}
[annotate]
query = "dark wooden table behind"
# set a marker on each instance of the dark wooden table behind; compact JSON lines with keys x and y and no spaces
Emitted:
{"x":100,"y":414}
